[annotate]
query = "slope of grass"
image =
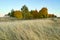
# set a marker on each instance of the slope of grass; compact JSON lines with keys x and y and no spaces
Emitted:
{"x":42,"y":29}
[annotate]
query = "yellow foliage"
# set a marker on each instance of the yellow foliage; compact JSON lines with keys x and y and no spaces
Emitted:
{"x":44,"y":12}
{"x":18,"y":14}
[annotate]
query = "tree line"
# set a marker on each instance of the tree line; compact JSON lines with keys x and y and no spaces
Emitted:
{"x":24,"y":13}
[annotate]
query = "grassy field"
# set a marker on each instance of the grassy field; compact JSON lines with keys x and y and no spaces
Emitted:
{"x":39,"y":29}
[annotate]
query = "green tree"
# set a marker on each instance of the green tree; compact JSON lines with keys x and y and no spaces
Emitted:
{"x":25,"y":12}
{"x":8,"y":14}
{"x":11,"y":14}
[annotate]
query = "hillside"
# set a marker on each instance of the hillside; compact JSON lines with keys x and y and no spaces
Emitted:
{"x":39,"y":29}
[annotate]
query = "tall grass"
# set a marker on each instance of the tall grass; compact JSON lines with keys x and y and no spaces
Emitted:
{"x":30,"y":30}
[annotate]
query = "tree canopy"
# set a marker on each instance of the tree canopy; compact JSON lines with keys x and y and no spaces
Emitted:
{"x":33,"y":14}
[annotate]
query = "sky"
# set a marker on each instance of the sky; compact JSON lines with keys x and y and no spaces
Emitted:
{"x":7,"y":5}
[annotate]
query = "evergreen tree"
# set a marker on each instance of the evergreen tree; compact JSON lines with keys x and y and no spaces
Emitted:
{"x":25,"y":12}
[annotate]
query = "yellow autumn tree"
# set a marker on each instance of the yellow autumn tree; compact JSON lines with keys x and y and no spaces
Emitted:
{"x":34,"y":13}
{"x":51,"y":15}
{"x":18,"y":14}
{"x":43,"y":12}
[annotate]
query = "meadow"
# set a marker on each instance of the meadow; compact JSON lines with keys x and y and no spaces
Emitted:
{"x":39,"y":29}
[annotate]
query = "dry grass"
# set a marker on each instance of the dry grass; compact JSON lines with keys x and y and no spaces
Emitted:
{"x":43,"y":29}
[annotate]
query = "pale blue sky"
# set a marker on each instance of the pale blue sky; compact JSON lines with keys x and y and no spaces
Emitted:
{"x":52,"y":5}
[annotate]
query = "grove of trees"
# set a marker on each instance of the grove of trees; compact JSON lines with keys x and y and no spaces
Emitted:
{"x":24,"y":13}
